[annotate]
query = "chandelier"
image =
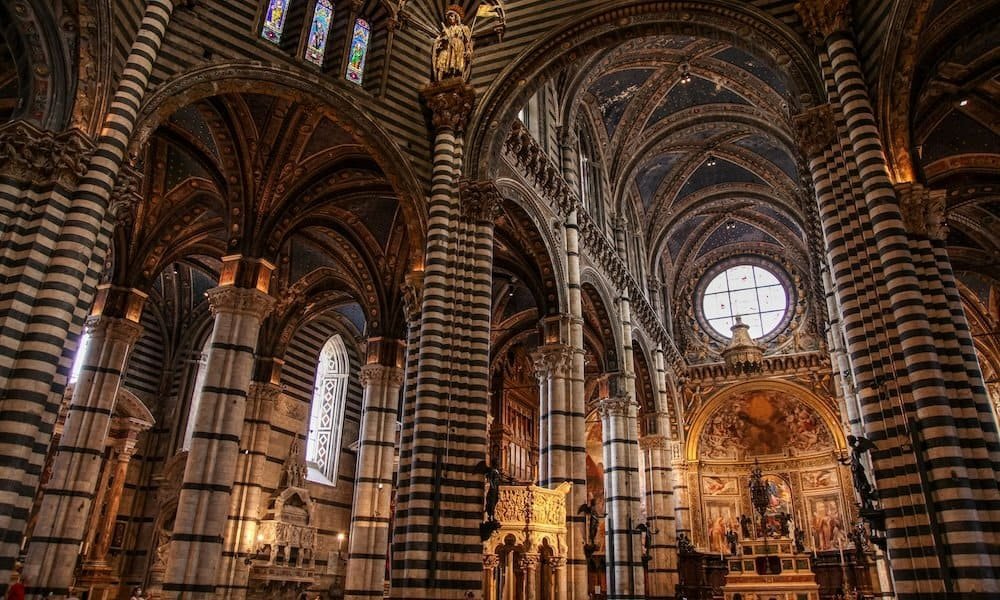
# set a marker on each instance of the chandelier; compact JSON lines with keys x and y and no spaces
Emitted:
{"x":743,"y":356}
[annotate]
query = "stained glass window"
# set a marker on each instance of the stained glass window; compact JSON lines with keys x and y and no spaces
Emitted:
{"x":359,"y":49}
{"x":319,"y":32}
{"x":274,"y":20}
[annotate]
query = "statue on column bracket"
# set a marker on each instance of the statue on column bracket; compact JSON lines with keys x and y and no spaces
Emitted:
{"x":593,"y":522}
{"x":866,"y":491}
{"x":452,"y":53}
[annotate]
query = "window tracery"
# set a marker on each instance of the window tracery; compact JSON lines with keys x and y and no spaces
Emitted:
{"x":326,"y":422}
{"x":751,"y":292}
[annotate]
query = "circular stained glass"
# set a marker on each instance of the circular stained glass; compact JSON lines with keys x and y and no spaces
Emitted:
{"x":751,"y":292}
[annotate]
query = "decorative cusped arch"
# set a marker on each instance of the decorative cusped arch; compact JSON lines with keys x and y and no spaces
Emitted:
{"x":701,"y":418}
{"x":743,"y":25}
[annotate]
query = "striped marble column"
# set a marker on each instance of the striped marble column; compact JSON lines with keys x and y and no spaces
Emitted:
{"x":369,"y":537}
{"x":920,"y":410}
{"x":247,"y":501}
{"x":576,"y":437}
{"x":63,"y":516}
{"x":204,"y":503}
{"x":662,"y":566}
{"x":623,"y":550}
{"x":52,"y":266}
{"x":436,"y":548}
{"x":553,"y":368}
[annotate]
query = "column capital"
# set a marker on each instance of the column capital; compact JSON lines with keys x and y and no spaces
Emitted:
{"x":113,"y":329}
{"x":557,"y":562}
{"x":127,"y":194}
{"x":619,"y":406}
{"x":823,"y":18}
{"x":481,"y":200}
{"x":413,"y":289}
{"x":450,"y":102}
{"x":527,"y":562}
{"x":264,"y":390}
{"x":229,"y":299}
{"x":381,"y":374}
{"x":923,"y":211}
{"x":552,"y":360}
{"x":568,"y":135}
{"x":649,"y":442}
{"x":816,"y":130}
{"x":490,"y":561}
{"x":30,"y":154}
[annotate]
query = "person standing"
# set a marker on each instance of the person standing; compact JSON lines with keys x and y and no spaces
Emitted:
{"x":137,"y":593}
{"x":16,"y":589}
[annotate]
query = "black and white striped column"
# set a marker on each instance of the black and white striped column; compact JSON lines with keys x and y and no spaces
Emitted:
{"x":65,"y":509}
{"x":369,"y":537}
{"x":204,"y":504}
{"x":935,"y":460}
{"x":436,"y":547}
{"x":247,"y":501}
{"x":51,"y":281}
{"x":659,"y":487}
{"x":623,"y":550}
{"x":553,"y":368}
{"x":576,"y":526}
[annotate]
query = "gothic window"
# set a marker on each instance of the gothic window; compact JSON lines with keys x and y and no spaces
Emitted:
{"x":753,"y":292}
{"x":274,"y":20}
{"x":319,"y":31}
{"x":359,"y":51}
{"x":326,"y":424}
{"x":590,"y":178}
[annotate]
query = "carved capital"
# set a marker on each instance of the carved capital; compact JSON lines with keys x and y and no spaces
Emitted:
{"x":816,"y":130}
{"x":568,"y":136}
{"x":113,"y":329}
{"x":413,"y":291}
{"x":616,"y":407}
{"x":30,"y":154}
{"x":450,"y":102}
{"x":481,"y":200}
{"x":923,"y":211}
{"x":490,"y":562}
{"x":381,"y":374}
{"x":527,"y":562}
{"x":552,"y":360}
{"x":230,"y":300}
{"x":556,"y":563}
{"x":127,"y":195}
{"x":823,"y":18}
{"x":264,"y":391}
{"x":649,"y":442}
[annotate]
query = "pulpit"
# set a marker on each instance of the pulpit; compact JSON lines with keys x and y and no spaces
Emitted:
{"x":525,"y":558}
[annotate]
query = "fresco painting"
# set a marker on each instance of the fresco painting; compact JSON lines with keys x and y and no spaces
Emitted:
{"x":826,"y":521}
{"x":761,"y":423}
